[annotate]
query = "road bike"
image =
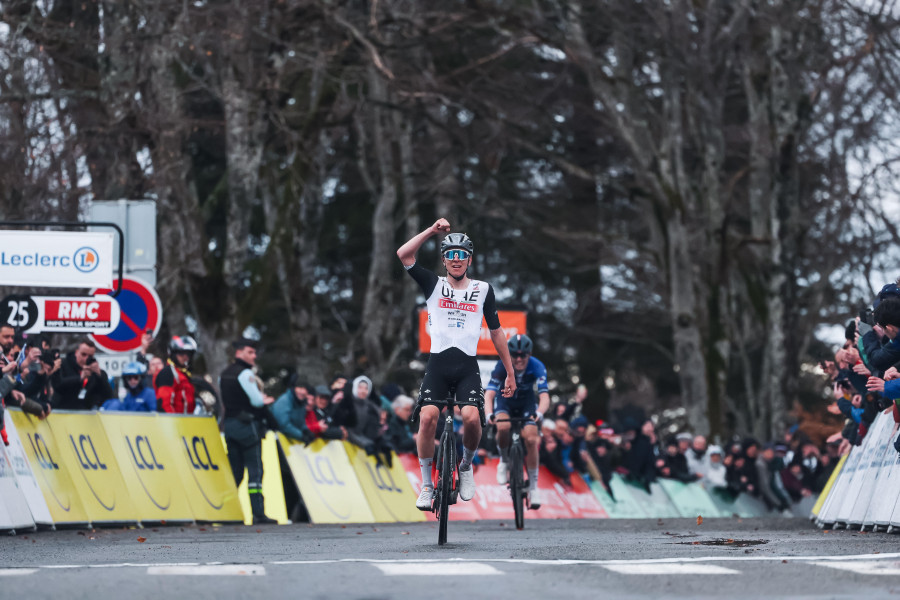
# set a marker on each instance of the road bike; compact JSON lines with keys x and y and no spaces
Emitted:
{"x":446,"y":463}
{"x":446,"y":490}
{"x":518,"y":485}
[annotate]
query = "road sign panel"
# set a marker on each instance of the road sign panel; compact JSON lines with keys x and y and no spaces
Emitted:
{"x":73,"y":314}
{"x":141,"y":310}
{"x":19,"y":311}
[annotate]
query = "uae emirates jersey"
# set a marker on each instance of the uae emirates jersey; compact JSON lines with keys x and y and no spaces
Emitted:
{"x":454,"y":316}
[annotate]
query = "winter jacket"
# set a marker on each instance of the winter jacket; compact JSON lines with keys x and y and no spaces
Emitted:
{"x":174,"y":390}
{"x":289,"y":413}
{"x":399,"y":435}
{"x":880,"y":355}
{"x":140,"y":400}
{"x":68,"y":384}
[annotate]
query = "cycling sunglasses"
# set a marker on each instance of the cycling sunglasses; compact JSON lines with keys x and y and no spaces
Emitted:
{"x":518,"y":354}
{"x":456,"y":254}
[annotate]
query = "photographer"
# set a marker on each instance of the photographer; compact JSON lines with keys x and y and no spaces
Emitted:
{"x":17,"y":361}
{"x":80,"y":384}
{"x":36,"y":383}
{"x":880,"y":348}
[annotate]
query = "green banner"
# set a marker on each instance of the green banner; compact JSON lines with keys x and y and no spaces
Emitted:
{"x":691,"y":499}
{"x":623,"y":506}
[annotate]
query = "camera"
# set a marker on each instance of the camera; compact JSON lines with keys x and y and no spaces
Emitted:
{"x":49,"y":356}
{"x":867,"y":316}
{"x":90,"y":361}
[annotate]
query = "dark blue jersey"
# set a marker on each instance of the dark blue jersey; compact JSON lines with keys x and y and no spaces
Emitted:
{"x":534,"y":375}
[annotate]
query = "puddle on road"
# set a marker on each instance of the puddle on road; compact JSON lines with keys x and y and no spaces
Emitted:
{"x":731,"y":543}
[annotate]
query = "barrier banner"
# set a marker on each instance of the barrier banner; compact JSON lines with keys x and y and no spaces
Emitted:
{"x":272,"y":488}
{"x":755,"y":505}
{"x":326,"y":481}
{"x":200,"y":460}
{"x":886,"y":488}
{"x":691,"y":500}
{"x":621,"y":507}
{"x":817,"y":508}
{"x":655,"y":502}
{"x":92,"y":464}
{"x":868,"y":470}
{"x":12,"y":500}
{"x":726,"y":504}
{"x":859,"y":473}
{"x":25,"y":477}
{"x":494,"y":501}
{"x":832,"y":510}
{"x":7,"y":522}
{"x":581,"y":500}
{"x":145,"y":456}
{"x":836,"y":497}
{"x":387,"y":489}
{"x":886,"y":503}
{"x":52,"y":474}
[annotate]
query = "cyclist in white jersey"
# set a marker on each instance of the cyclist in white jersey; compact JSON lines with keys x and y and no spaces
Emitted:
{"x":456,"y":305}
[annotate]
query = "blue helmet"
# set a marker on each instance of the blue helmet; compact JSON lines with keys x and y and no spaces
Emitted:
{"x":520,"y":343}
{"x":134,"y":368}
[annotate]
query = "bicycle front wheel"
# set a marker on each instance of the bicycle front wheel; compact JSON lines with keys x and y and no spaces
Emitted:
{"x":446,"y":488}
{"x":516,"y":484}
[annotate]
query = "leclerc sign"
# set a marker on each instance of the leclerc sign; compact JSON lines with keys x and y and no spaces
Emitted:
{"x":56,"y":258}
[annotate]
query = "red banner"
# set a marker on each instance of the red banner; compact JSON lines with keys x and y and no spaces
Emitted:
{"x":492,"y":501}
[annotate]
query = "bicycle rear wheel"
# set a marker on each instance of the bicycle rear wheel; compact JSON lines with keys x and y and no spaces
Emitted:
{"x":516,"y":484}
{"x":446,"y":481}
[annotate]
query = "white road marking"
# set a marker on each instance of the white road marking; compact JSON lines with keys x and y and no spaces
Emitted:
{"x":119,"y":565}
{"x":564,"y":562}
{"x":13,"y":572}
{"x":208,"y":570}
{"x":864,"y":567}
{"x":671,"y":569}
{"x":431,"y":569}
{"x":524,"y":561}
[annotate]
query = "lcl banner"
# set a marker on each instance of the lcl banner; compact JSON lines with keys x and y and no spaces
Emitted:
{"x":56,"y":258}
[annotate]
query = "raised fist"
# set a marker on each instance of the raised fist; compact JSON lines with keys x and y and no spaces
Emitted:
{"x":441,"y":225}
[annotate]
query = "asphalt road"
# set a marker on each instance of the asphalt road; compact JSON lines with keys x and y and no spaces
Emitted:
{"x":675,"y":558}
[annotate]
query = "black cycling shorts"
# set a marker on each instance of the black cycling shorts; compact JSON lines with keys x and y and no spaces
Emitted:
{"x":452,"y":369}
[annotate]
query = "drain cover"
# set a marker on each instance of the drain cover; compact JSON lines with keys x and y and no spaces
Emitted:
{"x":732,"y":543}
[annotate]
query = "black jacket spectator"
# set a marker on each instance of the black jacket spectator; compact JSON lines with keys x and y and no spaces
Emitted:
{"x":640,"y":461}
{"x":73,"y":391}
{"x":551,"y":459}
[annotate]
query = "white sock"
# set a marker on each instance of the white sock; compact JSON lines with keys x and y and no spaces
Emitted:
{"x":504,"y":454}
{"x":468,"y":455}
{"x":532,"y":478}
{"x":425,"y":466}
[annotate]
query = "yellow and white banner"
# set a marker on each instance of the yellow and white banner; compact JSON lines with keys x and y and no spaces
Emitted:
{"x":146,"y":455}
{"x":92,"y":465}
{"x":14,"y":512}
{"x":200,"y":459}
{"x":388,"y":491}
{"x":25,"y":476}
{"x":327,"y":482}
{"x":52,"y":474}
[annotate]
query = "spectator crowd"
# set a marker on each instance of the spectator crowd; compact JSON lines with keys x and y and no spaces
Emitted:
{"x":863,"y":377}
